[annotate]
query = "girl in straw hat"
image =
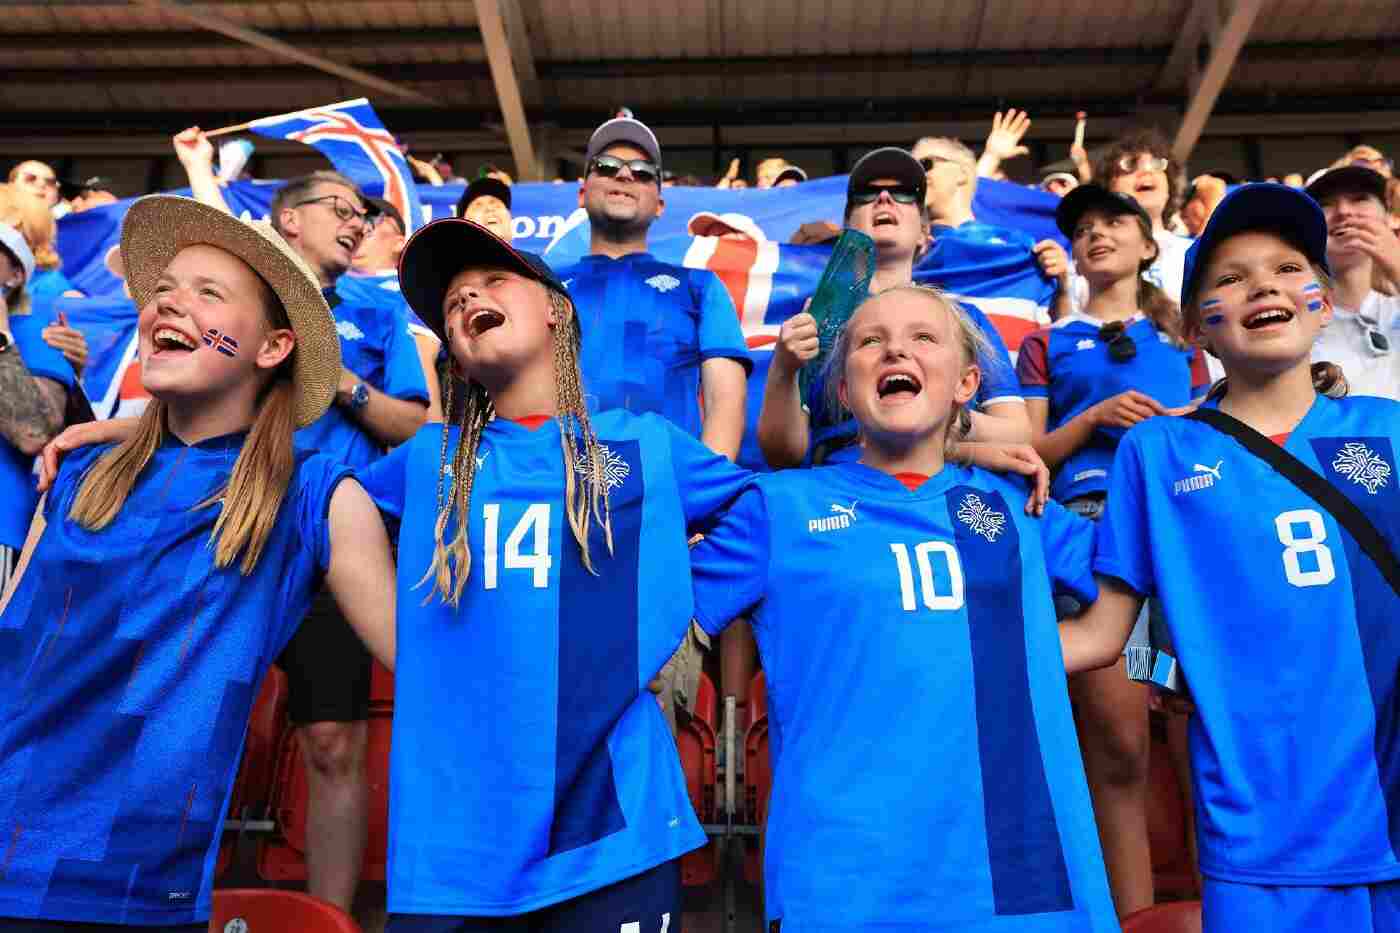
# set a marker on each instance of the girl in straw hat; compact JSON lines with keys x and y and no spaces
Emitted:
{"x":172,"y":570}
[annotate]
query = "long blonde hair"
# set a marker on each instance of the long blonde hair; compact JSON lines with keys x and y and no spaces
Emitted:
{"x":33,"y":219}
{"x":585,"y":490}
{"x":976,"y":351}
{"x":250,"y":501}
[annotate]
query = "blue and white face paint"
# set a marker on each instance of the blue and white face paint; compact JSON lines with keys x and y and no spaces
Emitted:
{"x":1312,"y":294}
{"x":1210,"y":311}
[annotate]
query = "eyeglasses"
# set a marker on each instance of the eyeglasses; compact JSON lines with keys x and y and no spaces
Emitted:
{"x":375,"y":221}
{"x":1121,"y":347}
{"x":640,"y":169}
{"x":898,"y":193}
{"x":48,"y":181}
{"x":1146,"y":163}
{"x":927,"y":163}
{"x":344,"y":210}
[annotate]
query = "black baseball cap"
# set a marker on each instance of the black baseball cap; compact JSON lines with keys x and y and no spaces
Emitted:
{"x":378,"y":207}
{"x":1349,"y":179}
{"x":1259,"y":206}
{"x":1085,"y":198}
{"x":73,"y":187}
{"x":482,"y":188}
{"x":792,"y":171}
{"x":889,"y":162}
{"x":443,"y":248}
{"x":629,"y":131}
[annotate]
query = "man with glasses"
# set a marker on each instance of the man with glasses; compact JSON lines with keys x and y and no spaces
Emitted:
{"x":1363,"y":252}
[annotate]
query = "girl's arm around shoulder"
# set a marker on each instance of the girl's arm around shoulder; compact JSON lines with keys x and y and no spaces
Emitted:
{"x":360,"y":573}
{"x":1096,"y":637}
{"x":729,"y":567}
{"x":706,"y":480}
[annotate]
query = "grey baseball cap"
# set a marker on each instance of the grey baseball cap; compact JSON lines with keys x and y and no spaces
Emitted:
{"x":625,"y":130}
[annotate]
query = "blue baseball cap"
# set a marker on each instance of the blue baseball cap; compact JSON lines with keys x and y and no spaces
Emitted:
{"x":443,"y":248}
{"x":1259,"y":206}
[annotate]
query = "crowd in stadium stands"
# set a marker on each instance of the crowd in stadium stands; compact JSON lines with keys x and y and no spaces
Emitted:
{"x":542,"y":810}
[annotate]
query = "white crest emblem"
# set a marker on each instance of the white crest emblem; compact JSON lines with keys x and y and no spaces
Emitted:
{"x":1362,"y":466}
{"x":1085,"y":344}
{"x":348,"y":330}
{"x":615,"y":469}
{"x":663,"y":283}
{"x":981,"y":518}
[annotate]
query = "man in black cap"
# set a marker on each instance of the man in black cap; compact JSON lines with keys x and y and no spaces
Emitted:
{"x":94,"y":192}
{"x":1362,"y":251}
{"x":487,"y":202}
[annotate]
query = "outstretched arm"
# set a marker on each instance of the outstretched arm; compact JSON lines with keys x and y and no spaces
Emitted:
{"x":361,"y":573}
{"x":1097,"y":636}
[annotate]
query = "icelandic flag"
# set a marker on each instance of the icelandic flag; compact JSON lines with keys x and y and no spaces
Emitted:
{"x":353,"y":137}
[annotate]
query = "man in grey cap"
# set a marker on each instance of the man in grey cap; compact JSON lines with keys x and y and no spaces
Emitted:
{"x":656,"y":336}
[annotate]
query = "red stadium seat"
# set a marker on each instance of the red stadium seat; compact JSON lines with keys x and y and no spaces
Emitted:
{"x":252,"y":787}
{"x":1173,"y":874}
{"x":1178,"y":917}
{"x":381,"y":689}
{"x":266,"y":910}
{"x":283,"y":857}
{"x":758,"y":771}
{"x":697,"y":740}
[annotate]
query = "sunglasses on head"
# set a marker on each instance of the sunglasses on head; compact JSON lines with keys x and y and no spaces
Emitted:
{"x":898,"y":193}
{"x":640,"y":169}
{"x":1148,"y":163}
{"x":1121,"y":347}
{"x":48,"y":181}
{"x":928,"y":162}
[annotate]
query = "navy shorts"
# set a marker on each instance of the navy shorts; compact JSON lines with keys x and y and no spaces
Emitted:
{"x":1228,"y":907}
{"x":645,"y":903}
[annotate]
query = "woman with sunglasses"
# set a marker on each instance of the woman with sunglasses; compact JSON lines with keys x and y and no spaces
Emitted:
{"x":1086,"y":380}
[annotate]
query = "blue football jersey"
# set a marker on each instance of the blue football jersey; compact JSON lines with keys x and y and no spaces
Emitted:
{"x":1286,"y":632}
{"x":131,"y":665}
{"x":647,"y":326}
{"x":379,"y":289}
{"x":1068,"y":365}
{"x":926,"y":773}
{"x":376,"y":345}
{"x":530,"y":764}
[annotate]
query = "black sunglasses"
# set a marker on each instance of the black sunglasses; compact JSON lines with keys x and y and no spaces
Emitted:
{"x":1121,"y":347}
{"x":900,"y":195}
{"x":928,"y":162}
{"x":608,"y":166}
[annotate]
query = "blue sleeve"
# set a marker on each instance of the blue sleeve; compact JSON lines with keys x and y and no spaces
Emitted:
{"x":40,"y":358}
{"x":386,"y":479}
{"x":71,"y":471}
{"x":706,"y":480}
{"x":999,"y":382}
{"x":729,"y":568}
{"x":1122,"y":545}
{"x":403,"y":370}
{"x":720,"y":334}
{"x":317,"y":479}
{"x":1068,"y":541}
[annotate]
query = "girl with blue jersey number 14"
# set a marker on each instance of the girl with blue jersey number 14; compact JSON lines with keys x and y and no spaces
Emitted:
{"x":1267,"y":524}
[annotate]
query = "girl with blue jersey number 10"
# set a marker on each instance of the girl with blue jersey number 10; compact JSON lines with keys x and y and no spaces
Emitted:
{"x":1267,"y":524}
{"x":926,"y":771}
{"x":171,"y":572}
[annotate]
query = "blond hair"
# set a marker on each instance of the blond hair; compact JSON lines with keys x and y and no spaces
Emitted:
{"x":33,"y":219}
{"x":249,"y":502}
{"x":976,"y":351}
{"x":585,"y":489}
{"x":954,"y":150}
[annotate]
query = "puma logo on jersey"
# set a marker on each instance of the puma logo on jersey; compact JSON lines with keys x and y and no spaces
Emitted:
{"x":843,"y":516}
{"x":1204,"y":478}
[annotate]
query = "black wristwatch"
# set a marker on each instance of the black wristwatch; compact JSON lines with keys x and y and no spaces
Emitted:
{"x":6,"y":341}
{"x":359,"y":397}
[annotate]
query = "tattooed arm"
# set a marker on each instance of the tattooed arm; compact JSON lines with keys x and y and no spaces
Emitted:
{"x":31,"y":407}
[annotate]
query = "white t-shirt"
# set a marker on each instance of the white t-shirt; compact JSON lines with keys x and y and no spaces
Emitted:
{"x":1354,"y":339}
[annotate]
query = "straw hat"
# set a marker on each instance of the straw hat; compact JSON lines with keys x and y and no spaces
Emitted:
{"x":157,"y":227}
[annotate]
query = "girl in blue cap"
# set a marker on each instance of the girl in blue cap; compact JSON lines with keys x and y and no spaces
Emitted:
{"x":1267,"y":524}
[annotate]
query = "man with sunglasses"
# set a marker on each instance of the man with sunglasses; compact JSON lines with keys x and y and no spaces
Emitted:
{"x":1363,"y":252}
{"x":36,"y":178}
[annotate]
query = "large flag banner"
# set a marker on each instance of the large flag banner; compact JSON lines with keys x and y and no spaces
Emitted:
{"x":353,"y":137}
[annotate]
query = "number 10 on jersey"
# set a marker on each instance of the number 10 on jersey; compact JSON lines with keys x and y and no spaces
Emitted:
{"x":940,"y":576}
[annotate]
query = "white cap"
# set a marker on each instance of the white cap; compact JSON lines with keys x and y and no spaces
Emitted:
{"x":13,"y":242}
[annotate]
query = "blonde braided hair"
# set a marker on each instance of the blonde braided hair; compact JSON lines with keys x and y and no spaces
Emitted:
{"x":585,"y":490}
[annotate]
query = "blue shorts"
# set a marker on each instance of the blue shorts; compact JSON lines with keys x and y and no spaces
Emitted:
{"x":1227,"y":907}
{"x":645,"y":903}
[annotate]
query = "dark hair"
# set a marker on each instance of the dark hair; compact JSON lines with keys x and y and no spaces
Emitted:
{"x":1144,"y":140}
{"x":298,"y":188}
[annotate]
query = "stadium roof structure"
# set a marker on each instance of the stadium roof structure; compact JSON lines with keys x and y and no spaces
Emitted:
{"x":541,"y":73}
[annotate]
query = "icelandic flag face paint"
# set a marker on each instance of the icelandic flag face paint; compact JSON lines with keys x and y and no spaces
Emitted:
{"x":1209,"y":305}
{"x":221,"y":342}
{"x":1312,"y":293}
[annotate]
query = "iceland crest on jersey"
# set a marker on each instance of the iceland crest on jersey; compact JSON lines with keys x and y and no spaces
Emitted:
{"x":615,"y":469}
{"x":1362,"y":466}
{"x":663,"y":283}
{"x":980,"y":517}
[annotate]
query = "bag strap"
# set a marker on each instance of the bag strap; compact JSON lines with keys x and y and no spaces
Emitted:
{"x":1346,"y":512}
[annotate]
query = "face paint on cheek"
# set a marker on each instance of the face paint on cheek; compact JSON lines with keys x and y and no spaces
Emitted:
{"x":1313,"y":293}
{"x":1209,"y":305}
{"x":223,"y":343}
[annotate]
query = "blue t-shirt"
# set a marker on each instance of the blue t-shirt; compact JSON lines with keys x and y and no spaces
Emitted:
{"x":376,"y":345}
{"x":45,"y":287}
{"x":647,"y":326}
{"x":837,"y":430}
{"x":530,"y":762}
{"x":17,"y":490}
{"x":380,"y":289}
{"x":1069,"y":366}
{"x":131,"y":665}
{"x":926,"y":774}
{"x":1286,"y":632}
